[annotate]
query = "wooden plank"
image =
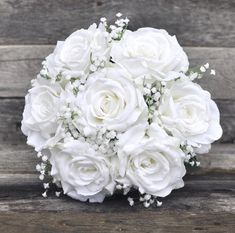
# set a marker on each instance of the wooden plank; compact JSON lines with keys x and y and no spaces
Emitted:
{"x":138,"y":221}
{"x":227,"y":111}
{"x":17,"y":159}
{"x":222,"y":86}
{"x":26,"y":191}
{"x":10,"y":121}
{"x":11,"y":116}
{"x":196,"y":23}
{"x":20,"y":64}
{"x":206,"y":204}
{"x":21,"y":159}
{"x":19,"y":182}
{"x":221,"y":158}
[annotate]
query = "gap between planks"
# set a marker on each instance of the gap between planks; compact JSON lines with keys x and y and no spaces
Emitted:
{"x":19,"y":64}
{"x":11,"y":110}
{"x":218,"y":188}
{"x":18,"y":162}
{"x":205,"y":205}
{"x":199,"y":23}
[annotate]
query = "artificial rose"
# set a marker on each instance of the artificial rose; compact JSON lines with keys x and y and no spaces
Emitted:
{"x":83,"y":172}
{"x":188,"y":112}
{"x":73,"y":56}
{"x":151,"y":54}
{"x":39,"y":116}
{"x":151,"y":160}
{"x":111,"y":101}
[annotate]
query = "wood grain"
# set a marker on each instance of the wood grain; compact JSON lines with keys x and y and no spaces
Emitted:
{"x":133,"y":222}
{"x":20,"y":64}
{"x":221,"y":158}
{"x":196,"y":23}
{"x":11,"y":115}
{"x":227,"y":119}
{"x":205,"y":204}
{"x":17,"y":159}
{"x":196,"y":187}
{"x":222,"y":86}
{"x":28,"y":31}
{"x":21,"y":160}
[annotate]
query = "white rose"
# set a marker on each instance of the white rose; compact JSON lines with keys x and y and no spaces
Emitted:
{"x":150,"y":51}
{"x":188,"y":112}
{"x":151,"y":160}
{"x":39,"y":116}
{"x":84,"y":173}
{"x":73,"y":56}
{"x":111,"y":101}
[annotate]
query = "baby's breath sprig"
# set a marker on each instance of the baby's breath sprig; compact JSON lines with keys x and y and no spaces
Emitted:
{"x":199,"y":71}
{"x":190,"y":155}
{"x":123,"y":187}
{"x":194,"y":162}
{"x":45,"y":175}
{"x":115,"y":31}
{"x":104,"y":141}
{"x":152,"y":96}
{"x":145,"y":199}
{"x":44,"y":168}
{"x":44,"y":72}
{"x":97,"y":62}
{"x":58,"y":77}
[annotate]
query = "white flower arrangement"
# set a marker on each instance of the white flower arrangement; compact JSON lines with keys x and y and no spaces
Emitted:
{"x":114,"y":109}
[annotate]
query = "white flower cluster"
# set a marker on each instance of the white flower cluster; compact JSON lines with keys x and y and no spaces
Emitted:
{"x":118,"y":109}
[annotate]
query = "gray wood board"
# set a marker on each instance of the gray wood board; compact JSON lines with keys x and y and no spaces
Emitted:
{"x":196,"y":23}
{"x":11,"y":110}
{"x":205,"y":204}
{"x":21,"y":160}
{"x":20,"y":64}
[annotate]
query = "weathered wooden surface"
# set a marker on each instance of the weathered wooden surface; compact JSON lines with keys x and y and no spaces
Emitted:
{"x":11,"y":115}
{"x":132,"y":222}
{"x":29,"y":30}
{"x":21,"y":159}
{"x":17,"y":159}
{"x":196,"y":23}
{"x":196,"y":187}
{"x":222,"y":86}
{"x":227,"y":118}
{"x":20,"y":64}
{"x":221,"y":158}
{"x":205,"y":204}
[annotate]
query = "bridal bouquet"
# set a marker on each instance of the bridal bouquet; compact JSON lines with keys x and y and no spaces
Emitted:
{"x":114,"y":109}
